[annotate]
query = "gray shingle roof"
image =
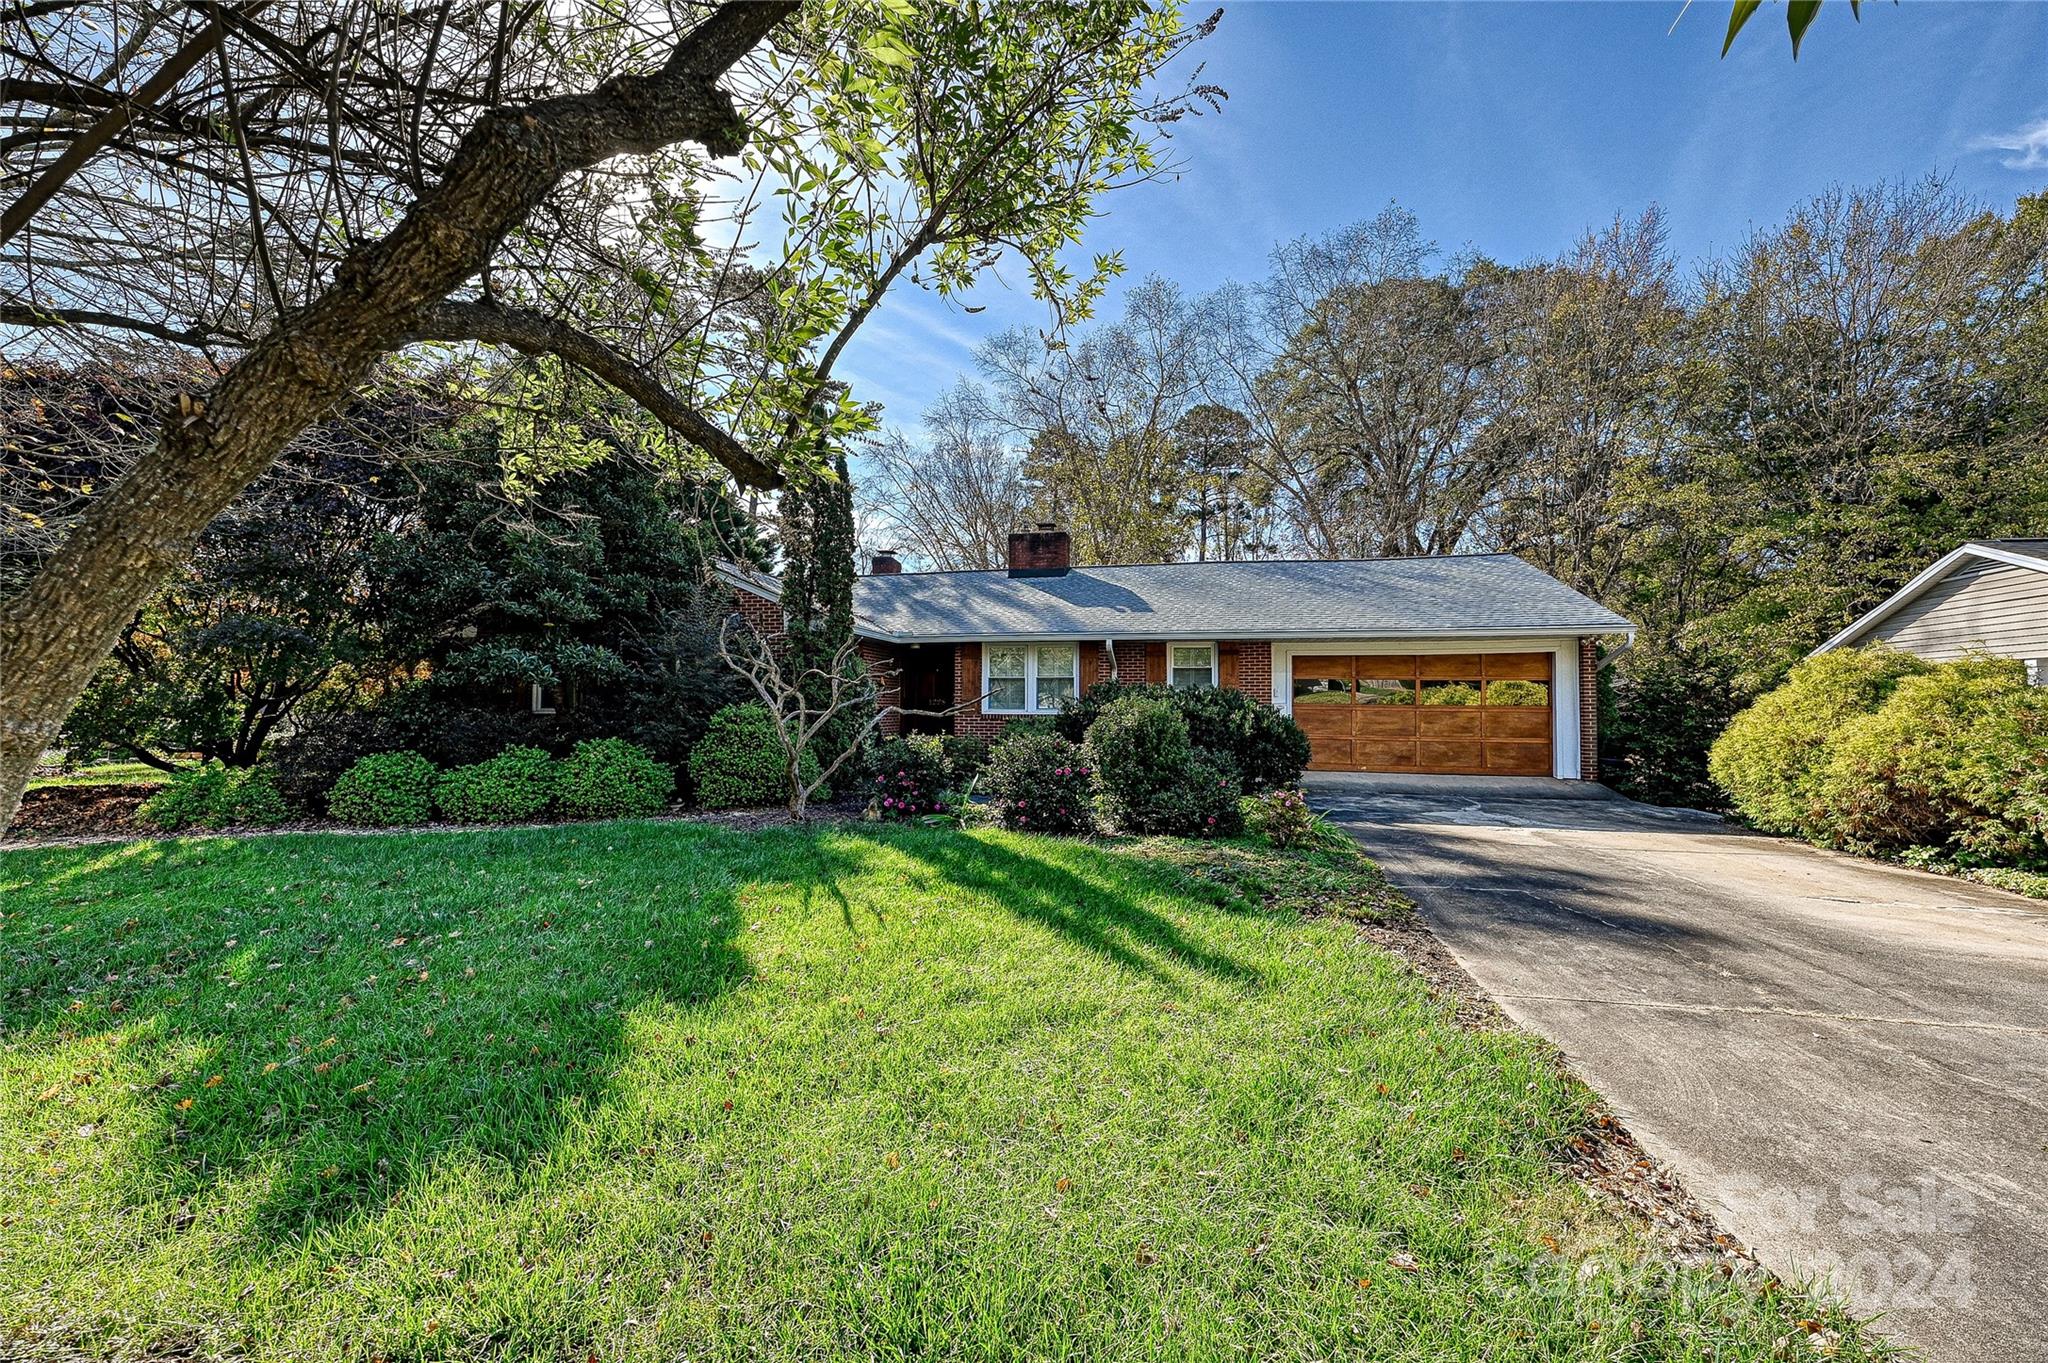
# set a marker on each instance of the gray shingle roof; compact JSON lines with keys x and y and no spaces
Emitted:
{"x":2030,"y":548}
{"x":1460,"y":594}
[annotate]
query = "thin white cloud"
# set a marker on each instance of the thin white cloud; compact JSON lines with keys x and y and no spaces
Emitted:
{"x":2028,"y":146}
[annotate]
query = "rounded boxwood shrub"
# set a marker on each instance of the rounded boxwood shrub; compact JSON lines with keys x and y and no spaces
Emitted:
{"x":214,"y":796}
{"x":1041,"y":783}
{"x":738,"y":764}
{"x":1771,"y":756}
{"x":326,"y":741}
{"x":517,"y":784}
{"x":385,"y":789}
{"x":1947,"y":762}
{"x":911,"y":777}
{"x":1138,"y":747}
{"x":1264,"y":747}
{"x":1153,"y":779}
{"x":609,"y":778}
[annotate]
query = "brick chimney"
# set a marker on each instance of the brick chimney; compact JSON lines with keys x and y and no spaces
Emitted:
{"x":884,"y":562}
{"x":1044,"y":552}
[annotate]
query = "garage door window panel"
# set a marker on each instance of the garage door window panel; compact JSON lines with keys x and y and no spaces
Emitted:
{"x":1527,"y":694}
{"x":1446,"y":712}
{"x":1386,"y":690}
{"x":1447,"y":693}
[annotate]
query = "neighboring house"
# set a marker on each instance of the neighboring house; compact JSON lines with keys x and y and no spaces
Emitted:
{"x":1474,"y":663}
{"x":1987,"y":596}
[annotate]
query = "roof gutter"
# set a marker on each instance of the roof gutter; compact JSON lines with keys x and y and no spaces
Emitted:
{"x":867,"y":631}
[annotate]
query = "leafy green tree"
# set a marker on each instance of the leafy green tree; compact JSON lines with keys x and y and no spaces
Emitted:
{"x":469,"y":192}
{"x":1579,"y":396}
{"x":282,"y":215}
{"x":817,"y":595}
{"x":271,"y":609}
{"x":1224,"y":492}
{"x":1799,"y":17}
{"x":591,"y":587}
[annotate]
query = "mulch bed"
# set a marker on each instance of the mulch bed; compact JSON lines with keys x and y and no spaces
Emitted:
{"x":51,"y":812}
{"x":55,"y":815}
{"x":1604,"y":1158}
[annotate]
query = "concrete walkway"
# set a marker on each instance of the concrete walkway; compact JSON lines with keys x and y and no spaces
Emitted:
{"x":1847,"y":1061}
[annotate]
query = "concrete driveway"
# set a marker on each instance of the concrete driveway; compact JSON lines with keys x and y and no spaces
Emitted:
{"x":1847,"y":1061}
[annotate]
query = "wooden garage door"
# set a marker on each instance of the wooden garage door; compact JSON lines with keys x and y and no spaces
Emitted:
{"x":1471,"y":713}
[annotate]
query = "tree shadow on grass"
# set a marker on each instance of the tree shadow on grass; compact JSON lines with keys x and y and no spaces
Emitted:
{"x":342,"y":1012}
{"x":327,"y":1018}
{"x":1083,"y":893}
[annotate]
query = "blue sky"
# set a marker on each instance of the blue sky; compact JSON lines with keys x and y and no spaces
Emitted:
{"x":1511,"y":126}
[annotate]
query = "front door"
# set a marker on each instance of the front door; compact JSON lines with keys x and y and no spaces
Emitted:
{"x":925,"y":682}
{"x":1465,"y":713}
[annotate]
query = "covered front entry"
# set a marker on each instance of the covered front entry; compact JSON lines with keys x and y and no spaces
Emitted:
{"x":1465,"y":713}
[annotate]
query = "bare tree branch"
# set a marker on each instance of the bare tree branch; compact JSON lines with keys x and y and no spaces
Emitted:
{"x":113,"y":121}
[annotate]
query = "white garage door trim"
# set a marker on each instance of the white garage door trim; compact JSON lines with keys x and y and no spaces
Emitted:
{"x":1564,"y":674}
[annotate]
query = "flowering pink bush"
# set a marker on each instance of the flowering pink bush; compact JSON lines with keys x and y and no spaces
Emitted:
{"x":910,"y":778}
{"x":1281,"y":816}
{"x":1041,"y":783}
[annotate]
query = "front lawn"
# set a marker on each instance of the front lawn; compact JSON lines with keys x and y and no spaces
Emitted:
{"x":662,"y":1091}
{"x":102,"y":774}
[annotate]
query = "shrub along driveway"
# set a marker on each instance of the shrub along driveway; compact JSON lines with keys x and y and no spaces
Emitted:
{"x":1849,"y":1061}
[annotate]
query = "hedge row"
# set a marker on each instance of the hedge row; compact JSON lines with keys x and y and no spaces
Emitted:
{"x":604,"y":778}
{"x":1876,"y":750}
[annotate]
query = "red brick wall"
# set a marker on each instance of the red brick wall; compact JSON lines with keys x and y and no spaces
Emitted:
{"x":882,"y":665}
{"x":1137,"y":663}
{"x":762,"y":612}
{"x":1589,"y":711}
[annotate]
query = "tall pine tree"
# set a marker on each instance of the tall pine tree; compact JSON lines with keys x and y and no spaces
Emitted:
{"x":817,"y":592}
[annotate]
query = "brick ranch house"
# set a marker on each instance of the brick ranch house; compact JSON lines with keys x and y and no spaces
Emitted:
{"x":1468,"y":663}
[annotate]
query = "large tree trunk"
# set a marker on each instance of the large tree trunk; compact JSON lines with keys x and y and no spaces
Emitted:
{"x":56,"y":631}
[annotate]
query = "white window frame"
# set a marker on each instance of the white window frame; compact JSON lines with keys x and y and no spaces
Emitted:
{"x":1215,"y":659}
{"x":1030,"y":648}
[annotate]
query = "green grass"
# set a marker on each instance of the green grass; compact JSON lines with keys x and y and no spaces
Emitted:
{"x":660,"y":1091}
{"x":105,"y":773}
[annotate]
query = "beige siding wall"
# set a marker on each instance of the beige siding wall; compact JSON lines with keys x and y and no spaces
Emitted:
{"x":1992,"y":606}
